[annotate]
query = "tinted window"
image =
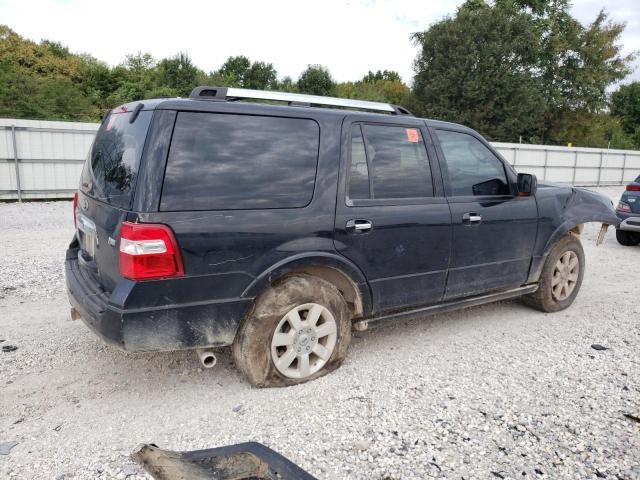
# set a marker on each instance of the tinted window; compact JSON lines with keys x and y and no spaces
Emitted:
{"x":399,"y":162}
{"x":219,"y":162}
{"x":359,"y":170}
{"x":111,"y":169}
{"x":473,"y":168}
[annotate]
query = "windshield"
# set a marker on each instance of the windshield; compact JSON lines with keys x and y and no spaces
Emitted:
{"x":110,"y":172}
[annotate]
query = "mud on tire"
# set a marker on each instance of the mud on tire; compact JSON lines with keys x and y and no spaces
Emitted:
{"x":544,"y":299}
{"x":252,"y":347}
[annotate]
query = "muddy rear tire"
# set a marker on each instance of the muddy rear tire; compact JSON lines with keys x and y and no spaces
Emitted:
{"x":298,"y":330}
{"x":561,"y":277}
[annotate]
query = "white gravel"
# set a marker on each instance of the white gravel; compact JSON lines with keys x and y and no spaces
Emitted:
{"x":498,"y":391}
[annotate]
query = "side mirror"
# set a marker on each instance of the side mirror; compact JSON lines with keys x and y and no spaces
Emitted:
{"x":527,"y":184}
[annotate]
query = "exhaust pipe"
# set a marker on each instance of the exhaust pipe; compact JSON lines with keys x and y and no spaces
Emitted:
{"x":207,"y":357}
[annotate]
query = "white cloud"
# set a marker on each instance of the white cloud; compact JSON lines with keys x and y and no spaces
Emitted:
{"x":350,"y":37}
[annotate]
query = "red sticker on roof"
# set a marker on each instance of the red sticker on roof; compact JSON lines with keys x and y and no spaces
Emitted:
{"x":412,"y":135}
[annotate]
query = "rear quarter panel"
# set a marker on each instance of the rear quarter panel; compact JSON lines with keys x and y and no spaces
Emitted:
{"x":225,"y":251}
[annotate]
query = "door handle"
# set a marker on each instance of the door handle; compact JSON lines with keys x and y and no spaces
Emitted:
{"x":471,"y":218}
{"x":359,"y":226}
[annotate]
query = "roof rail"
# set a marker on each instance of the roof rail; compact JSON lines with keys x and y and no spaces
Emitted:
{"x":296,"y":99}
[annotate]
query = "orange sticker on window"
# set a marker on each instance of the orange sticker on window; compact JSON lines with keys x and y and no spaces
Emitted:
{"x":412,"y":135}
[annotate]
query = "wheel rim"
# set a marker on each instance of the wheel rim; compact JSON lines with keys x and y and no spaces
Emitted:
{"x":304,"y":340}
{"x":565,"y":276}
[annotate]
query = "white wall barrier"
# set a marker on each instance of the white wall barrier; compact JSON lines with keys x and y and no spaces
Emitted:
{"x":42,"y":159}
{"x":574,"y":165}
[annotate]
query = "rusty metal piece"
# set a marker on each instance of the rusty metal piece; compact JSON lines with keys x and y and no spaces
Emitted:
{"x":75,"y":314}
{"x":244,"y":461}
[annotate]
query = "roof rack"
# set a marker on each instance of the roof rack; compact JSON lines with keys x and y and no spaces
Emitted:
{"x":294,"y":99}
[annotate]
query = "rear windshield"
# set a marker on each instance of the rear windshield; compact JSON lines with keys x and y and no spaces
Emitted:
{"x":109,"y":175}
{"x":221,"y":162}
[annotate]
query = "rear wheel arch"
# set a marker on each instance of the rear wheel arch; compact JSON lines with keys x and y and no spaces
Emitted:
{"x":341,"y":273}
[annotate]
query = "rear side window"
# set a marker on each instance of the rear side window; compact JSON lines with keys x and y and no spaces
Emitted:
{"x":396,"y":158}
{"x":222,"y":162}
{"x":110,"y":172}
{"x":473,"y":168}
{"x":359,"y":170}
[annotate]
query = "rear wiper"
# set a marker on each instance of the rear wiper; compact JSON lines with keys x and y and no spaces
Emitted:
{"x":136,"y":112}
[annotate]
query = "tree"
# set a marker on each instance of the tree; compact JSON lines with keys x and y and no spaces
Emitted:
{"x":477,"y":68}
{"x":235,"y":69}
{"x":316,"y":80}
{"x":517,"y":68}
{"x":625,"y":105}
{"x":261,"y":76}
{"x":391,"y":91}
{"x":286,"y":85}
{"x":389,"y":75}
{"x":178,"y":73}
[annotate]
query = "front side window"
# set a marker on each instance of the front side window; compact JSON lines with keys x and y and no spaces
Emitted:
{"x":396,"y":158}
{"x":473,"y":168}
{"x":223,"y":162}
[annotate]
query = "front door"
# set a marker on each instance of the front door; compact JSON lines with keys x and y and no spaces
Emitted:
{"x":391,"y":218}
{"x":494,"y":230}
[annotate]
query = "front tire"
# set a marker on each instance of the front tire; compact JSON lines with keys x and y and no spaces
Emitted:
{"x":626,"y":238}
{"x":561,"y":276}
{"x":298,"y":330}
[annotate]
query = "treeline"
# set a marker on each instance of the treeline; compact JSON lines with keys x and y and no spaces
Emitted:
{"x":46,"y":81}
{"x":515,"y":70}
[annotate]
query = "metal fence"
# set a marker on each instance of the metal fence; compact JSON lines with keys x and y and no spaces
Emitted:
{"x":41,"y":159}
{"x":577,"y":166}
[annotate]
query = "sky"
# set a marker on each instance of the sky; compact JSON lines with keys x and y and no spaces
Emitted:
{"x":350,"y":37}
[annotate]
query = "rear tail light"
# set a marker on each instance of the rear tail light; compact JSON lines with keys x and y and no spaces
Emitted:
{"x":623,"y":207}
{"x":75,"y":209}
{"x":149,"y":251}
{"x":633,"y":187}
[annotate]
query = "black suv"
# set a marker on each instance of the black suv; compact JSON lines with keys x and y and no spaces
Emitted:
{"x":213,"y":221}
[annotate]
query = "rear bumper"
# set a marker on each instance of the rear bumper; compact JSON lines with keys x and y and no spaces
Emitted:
{"x":153,"y":328}
{"x":630,"y":222}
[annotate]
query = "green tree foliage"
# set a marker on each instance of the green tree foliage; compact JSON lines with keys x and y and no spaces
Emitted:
{"x":261,"y":76}
{"x":178,"y":73}
{"x":240,"y":72}
{"x":625,"y":105}
{"x":316,"y":80}
{"x":389,"y":75}
{"x":391,"y":91}
{"x":518,"y":68}
{"x":508,"y":68}
{"x":476,"y":69}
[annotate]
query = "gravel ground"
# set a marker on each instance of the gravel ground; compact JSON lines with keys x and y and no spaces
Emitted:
{"x":498,"y":391}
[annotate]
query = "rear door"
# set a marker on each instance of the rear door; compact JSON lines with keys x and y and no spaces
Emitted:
{"x":391,"y":218}
{"x":494,"y":230}
{"x":107,"y":187}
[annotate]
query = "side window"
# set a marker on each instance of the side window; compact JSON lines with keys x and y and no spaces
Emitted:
{"x":359,"y":170}
{"x":222,"y":162}
{"x":398,"y":160}
{"x":473,"y":168}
